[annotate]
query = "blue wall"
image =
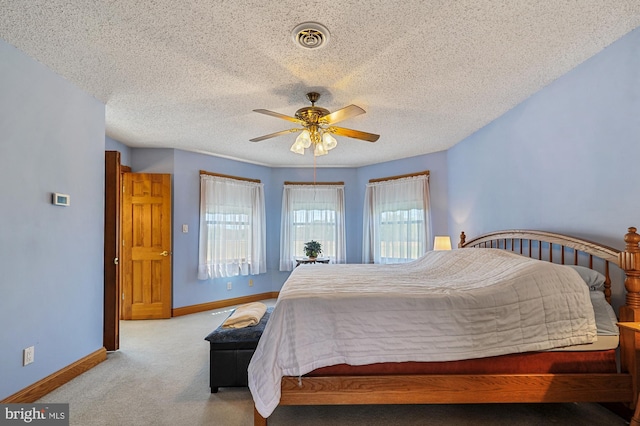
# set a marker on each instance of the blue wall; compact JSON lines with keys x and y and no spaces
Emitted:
{"x":564,"y":160}
{"x":51,"y":284}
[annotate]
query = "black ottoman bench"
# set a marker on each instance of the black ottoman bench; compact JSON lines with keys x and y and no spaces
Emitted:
{"x":230,"y":351}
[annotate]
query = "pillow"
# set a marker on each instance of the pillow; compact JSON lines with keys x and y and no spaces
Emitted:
{"x":593,"y":279}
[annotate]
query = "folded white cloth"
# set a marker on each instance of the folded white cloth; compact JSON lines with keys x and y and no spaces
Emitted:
{"x":246,"y":315}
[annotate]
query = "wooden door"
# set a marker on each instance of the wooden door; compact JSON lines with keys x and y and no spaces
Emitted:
{"x":146,"y":246}
{"x":112,"y":185}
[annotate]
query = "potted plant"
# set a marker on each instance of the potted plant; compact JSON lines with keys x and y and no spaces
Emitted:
{"x":312,"y":249}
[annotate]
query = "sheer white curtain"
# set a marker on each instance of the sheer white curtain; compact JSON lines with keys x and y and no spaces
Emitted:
{"x":312,"y":212}
{"x":232,"y":228}
{"x":396,"y":222}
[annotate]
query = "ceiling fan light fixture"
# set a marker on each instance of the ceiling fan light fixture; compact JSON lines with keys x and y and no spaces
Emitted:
{"x":310,"y":35}
{"x":317,"y":127}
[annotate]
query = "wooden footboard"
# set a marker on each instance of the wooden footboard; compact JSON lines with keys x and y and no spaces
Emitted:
{"x":503,"y":388}
{"x":456,"y":389}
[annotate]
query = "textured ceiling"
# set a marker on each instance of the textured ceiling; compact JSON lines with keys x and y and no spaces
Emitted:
{"x":187,"y":74}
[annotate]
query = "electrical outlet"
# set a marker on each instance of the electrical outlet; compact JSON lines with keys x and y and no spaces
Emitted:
{"x":28,"y":355}
{"x":250,"y":283}
{"x":229,"y":285}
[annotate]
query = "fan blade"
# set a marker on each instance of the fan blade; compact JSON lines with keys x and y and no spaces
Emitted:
{"x":342,"y":114}
{"x":355,"y":134}
{"x":278,"y":115}
{"x":273,"y":135}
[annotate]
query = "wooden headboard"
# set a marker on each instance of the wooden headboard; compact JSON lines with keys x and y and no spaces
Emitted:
{"x":551,"y":247}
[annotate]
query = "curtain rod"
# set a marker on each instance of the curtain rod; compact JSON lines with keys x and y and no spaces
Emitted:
{"x":286,"y":182}
{"x":426,"y":173}
{"x":204,"y":172}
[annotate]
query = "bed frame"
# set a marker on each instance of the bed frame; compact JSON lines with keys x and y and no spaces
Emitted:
{"x":505,"y":388}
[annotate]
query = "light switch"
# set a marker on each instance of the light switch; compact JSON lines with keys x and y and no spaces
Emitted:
{"x":185,"y":228}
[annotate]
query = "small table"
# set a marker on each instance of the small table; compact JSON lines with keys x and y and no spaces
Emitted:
{"x":306,"y":260}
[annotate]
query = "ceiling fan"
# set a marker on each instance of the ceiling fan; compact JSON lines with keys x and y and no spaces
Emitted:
{"x":318,"y":127}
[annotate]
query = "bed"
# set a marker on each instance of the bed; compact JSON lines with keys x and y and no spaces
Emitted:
{"x":368,"y":356}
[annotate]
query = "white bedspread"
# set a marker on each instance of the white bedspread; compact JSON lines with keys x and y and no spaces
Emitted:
{"x":448,"y":305}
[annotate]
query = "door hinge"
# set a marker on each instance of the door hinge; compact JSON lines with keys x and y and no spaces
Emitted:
{"x":122,"y":296}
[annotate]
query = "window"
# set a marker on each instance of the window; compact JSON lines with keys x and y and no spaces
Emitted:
{"x":396,"y":223}
{"x":312,"y":212}
{"x":232,"y":227}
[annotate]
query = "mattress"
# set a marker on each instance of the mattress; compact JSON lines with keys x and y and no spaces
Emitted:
{"x":595,"y":357}
{"x":446,"y":306}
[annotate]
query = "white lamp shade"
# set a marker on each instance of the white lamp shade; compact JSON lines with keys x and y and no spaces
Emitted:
{"x":320,"y":150}
{"x":442,"y":243}
{"x":297,"y":147}
{"x":329,"y":141}
{"x":304,"y":139}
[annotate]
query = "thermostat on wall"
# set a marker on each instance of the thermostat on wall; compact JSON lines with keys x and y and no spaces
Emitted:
{"x":61,"y":199}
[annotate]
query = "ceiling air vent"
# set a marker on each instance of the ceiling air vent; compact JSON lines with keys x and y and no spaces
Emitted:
{"x":310,"y":35}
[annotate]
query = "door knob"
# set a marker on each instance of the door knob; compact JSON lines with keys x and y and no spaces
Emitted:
{"x":164,"y":253}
